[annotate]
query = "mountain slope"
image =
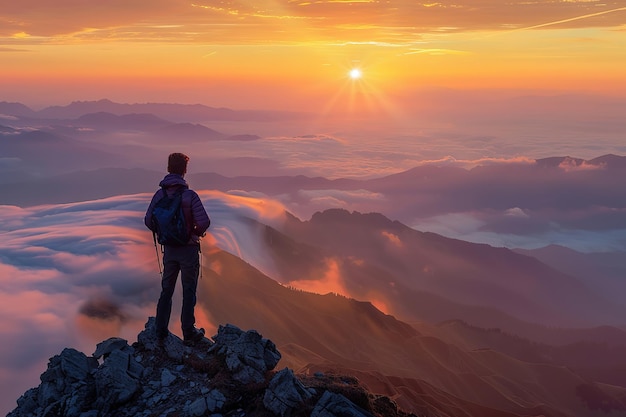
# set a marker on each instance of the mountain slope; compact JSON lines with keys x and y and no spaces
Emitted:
{"x":599,"y":358}
{"x":329,"y":331}
{"x":40,"y":153}
{"x":605,"y":271}
{"x":382,"y":254}
{"x":15,"y":109}
{"x":79,"y":186}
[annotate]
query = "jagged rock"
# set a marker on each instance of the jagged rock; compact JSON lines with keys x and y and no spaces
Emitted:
{"x":172,"y":345}
{"x":167,"y":377}
{"x":227,"y":379}
{"x":114,"y":384}
{"x":336,"y":405}
{"x":213,"y":402}
{"x":75,"y":365}
{"x":285,"y":393}
{"x":197,"y":408}
{"x":65,"y":387}
{"x":248,"y":355}
{"x":135,"y":369}
{"x":108,"y":346}
{"x":27,"y":404}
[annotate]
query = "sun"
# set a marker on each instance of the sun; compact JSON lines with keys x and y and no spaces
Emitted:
{"x":355,"y":73}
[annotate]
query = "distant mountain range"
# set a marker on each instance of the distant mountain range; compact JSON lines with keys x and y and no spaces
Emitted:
{"x":81,"y":136}
{"x":148,"y":123}
{"x":37,"y":154}
{"x":175,"y":112}
{"x":536,"y":186}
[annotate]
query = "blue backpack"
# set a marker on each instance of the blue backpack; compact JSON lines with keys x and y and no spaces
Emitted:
{"x":169,"y":221}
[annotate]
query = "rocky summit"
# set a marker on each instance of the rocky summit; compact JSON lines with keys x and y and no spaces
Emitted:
{"x":231,"y":375}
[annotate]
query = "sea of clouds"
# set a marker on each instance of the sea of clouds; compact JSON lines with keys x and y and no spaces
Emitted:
{"x":75,"y":274}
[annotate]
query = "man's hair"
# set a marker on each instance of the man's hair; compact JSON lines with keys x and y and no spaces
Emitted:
{"x":177,"y":163}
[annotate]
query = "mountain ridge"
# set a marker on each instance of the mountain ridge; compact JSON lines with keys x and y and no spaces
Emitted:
{"x":353,"y":343}
{"x":180,"y":112}
{"x":407,"y":183}
{"x":467,"y":273}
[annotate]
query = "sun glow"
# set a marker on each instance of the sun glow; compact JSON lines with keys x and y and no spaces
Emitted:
{"x":360,"y":93}
{"x":355,"y":73}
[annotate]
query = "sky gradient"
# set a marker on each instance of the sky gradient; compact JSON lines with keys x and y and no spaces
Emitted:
{"x":298,"y":54}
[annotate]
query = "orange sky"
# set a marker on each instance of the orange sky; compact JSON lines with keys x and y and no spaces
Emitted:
{"x":297,"y":54}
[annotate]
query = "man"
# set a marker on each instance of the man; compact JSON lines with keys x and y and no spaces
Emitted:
{"x":185,"y":258}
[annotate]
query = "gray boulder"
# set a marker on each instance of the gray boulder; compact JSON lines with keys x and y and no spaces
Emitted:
{"x":167,"y":377}
{"x":336,"y":405}
{"x":114,"y":384}
{"x":213,"y":402}
{"x":172,"y":345}
{"x":285,"y":393}
{"x":248,"y":355}
{"x":109,"y":345}
{"x":66,"y":387}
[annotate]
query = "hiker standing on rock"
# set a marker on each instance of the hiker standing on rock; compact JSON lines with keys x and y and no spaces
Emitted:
{"x":178,"y":219}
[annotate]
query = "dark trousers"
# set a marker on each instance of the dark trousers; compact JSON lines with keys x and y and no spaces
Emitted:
{"x":186,"y":260}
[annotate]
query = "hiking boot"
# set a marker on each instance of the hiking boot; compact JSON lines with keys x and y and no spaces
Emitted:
{"x":194,"y":336}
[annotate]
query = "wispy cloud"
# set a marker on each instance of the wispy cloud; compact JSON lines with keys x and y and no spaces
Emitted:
{"x":436,"y":51}
{"x":39,"y":18}
{"x":514,"y":228}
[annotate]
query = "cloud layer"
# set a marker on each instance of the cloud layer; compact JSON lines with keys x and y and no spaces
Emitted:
{"x":75,"y":274}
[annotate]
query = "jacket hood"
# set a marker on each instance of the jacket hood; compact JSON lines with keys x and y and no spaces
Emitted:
{"x":171,"y":180}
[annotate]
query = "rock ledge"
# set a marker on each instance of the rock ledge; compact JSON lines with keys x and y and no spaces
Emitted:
{"x":229,"y":376}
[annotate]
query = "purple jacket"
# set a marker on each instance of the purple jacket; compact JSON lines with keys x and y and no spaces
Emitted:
{"x":196,"y":216}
